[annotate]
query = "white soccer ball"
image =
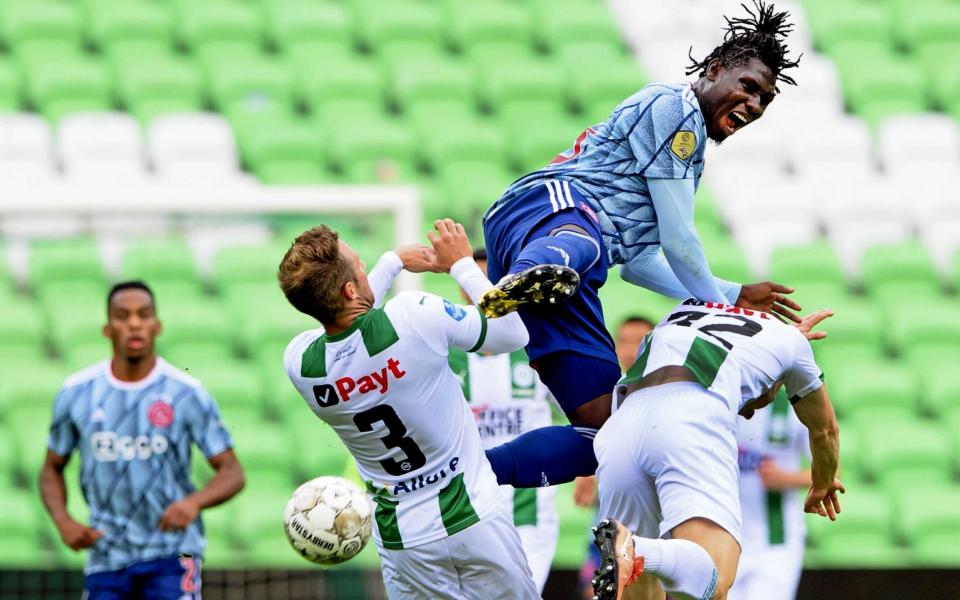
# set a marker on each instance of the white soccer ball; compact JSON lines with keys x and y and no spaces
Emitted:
{"x":328,"y":520}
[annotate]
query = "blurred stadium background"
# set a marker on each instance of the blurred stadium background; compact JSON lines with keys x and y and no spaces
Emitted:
{"x":123,"y":119}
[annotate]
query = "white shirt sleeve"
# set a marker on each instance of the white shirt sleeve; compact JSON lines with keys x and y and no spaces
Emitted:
{"x":803,"y":376}
{"x":382,"y":274}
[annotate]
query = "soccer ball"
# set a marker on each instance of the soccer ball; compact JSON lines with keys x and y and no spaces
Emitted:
{"x":328,"y":520}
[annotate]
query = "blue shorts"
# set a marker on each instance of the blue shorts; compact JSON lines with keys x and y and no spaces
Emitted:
{"x":174,"y":578}
{"x":575,"y":327}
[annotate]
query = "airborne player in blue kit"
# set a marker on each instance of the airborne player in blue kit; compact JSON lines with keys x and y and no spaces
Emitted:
{"x":623,"y":193}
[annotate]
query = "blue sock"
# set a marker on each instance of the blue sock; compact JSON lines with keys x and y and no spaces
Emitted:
{"x":545,"y":456}
{"x":569,"y":248}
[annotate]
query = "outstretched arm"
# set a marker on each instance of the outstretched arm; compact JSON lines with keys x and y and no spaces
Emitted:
{"x":673,"y":203}
{"x":415,"y":258}
{"x":816,"y":413}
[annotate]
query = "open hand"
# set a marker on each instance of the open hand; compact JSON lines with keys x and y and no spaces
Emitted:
{"x":824,"y":501}
{"x":812,"y":320}
{"x":769,"y":297}
{"x":77,"y":535}
{"x":450,"y":243}
{"x":179,"y":514}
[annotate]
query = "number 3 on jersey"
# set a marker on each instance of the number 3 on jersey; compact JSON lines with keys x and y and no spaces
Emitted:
{"x":395,"y":438}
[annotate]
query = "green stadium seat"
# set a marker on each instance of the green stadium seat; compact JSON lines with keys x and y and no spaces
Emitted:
{"x":9,"y":86}
{"x":877,"y":82}
{"x":555,"y":133}
{"x":254,"y":79}
{"x":110,"y":21}
{"x":247,"y":263}
{"x":905,"y":453}
{"x":199,"y":319}
{"x":153,"y":84}
{"x":621,"y":299}
{"x":853,"y":321}
{"x":601,"y":86}
{"x":21,"y":325}
{"x":941,"y":385}
{"x":833,"y":356}
{"x":319,"y":451}
{"x":75,"y":311}
{"x":915,"y":328}
{"x":797,"y":265}
{"x":496,"y":21}
{"x":469,"y":140}
{"x":862,"y":536}
{"x":18,"y":515}
{"x":82,"y":354}
{"x":276,"y":320}
{"x":292,"y":21}
{"x":575,"y":524}
{"x":919,"y":25}
{"x":930,"y":520}
{"x":899,"y":263}
{"x":833,"y":24}
{"x":282,"y":148}
{"x":942,"y":85}
{"x":432,"y":79}
{"x":191,"y":353}
{"x":728,"y":261}
{"x":39,"y":20}
{"x":399,"y":21}
{"x":159,"y":260}
{"x":468,"y":188}
{"x":231,"y":382}
{"x":218,"y":21}
{"x":68,"y":260}
{"x":29,"y":421}
{"x":374,"y":139}
{"x":870,"y":388}
{"x":59,"y":82}
{"x":333,"y":78}
{"x":577,"y":22}
{"x":521,"y":80}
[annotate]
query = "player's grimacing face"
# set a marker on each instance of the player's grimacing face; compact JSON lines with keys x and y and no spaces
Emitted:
{"x":132,"y":324}
{"x":736,"y":96}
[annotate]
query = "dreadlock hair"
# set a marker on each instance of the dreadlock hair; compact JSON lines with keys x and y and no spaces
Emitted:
{"x":760,"y":35}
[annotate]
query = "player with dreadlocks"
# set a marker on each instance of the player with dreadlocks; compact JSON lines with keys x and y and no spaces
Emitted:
{"x":620,"y":195}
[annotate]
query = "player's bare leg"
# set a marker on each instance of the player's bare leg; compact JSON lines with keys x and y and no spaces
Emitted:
{"x":719,"y":544}
{"x":594,"y":413}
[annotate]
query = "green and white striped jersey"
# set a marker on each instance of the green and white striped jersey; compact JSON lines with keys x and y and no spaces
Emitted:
{"x":773,"y":517}
{"x":735,"y":353}
{"x":507,"y":399}
{"x":386,"y":389}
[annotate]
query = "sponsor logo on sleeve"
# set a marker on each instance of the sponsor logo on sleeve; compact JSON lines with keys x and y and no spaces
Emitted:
{"x":456,"y":312}
{"x":683,"y":144}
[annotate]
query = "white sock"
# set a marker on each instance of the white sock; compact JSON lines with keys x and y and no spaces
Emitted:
{"x":686,"y":570}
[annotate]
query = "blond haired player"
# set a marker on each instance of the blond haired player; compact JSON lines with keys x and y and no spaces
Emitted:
{"x":380,"y":378}
{"x":668,"y":472}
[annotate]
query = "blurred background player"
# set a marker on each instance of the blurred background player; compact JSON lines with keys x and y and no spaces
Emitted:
{"x":508,"y":399}
{"x":133,"y":418}
{"x":628,"y":338}
{"x":380,"y":379}
{"x":623,"y":193}
{"x":668,"y":473}
{"x":772,"y":446}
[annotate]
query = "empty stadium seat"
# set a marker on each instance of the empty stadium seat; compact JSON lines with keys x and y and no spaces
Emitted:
{"x":39,"y":21}
{"x":107,"y":144}
{"x":796,"y":265}
{"x":60,"y":81}
{"x":75,"y":260}
{"x":159,"y":260}
{"x":9,"y":86}
{"x":862,"y":536}
{"x":253,"y":79}
{"x":496,"y":21}
{"x":906,"y":453}
{"x":198,"y":142}
{"x":401,"y":21}
{"x":291,"y":22}
{"x":155,"y":84}
{"x":21,"y":327}
{"x":867,"y":389}
{"x":25,"y":148}
{"x":897,"y":263}
{"x":331,"y":78}
{"x":218,"y":21}
{"x":930,"y":521}
{"x":848,"y":22}
{"x":432,"y":79}
{"x":111,"y":21}
{"x":282,"y":149}
{"x":917,"y":26}
{"x":924,"y":139}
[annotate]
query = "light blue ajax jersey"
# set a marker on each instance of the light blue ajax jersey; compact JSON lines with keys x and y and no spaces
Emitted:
{"x":656,"y":133}
{"x":134,"y":442}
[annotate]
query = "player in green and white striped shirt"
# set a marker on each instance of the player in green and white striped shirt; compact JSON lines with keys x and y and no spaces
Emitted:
{"x":380,"y":378}
{"x":508,"y":399}
{"x":668,"y":474}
